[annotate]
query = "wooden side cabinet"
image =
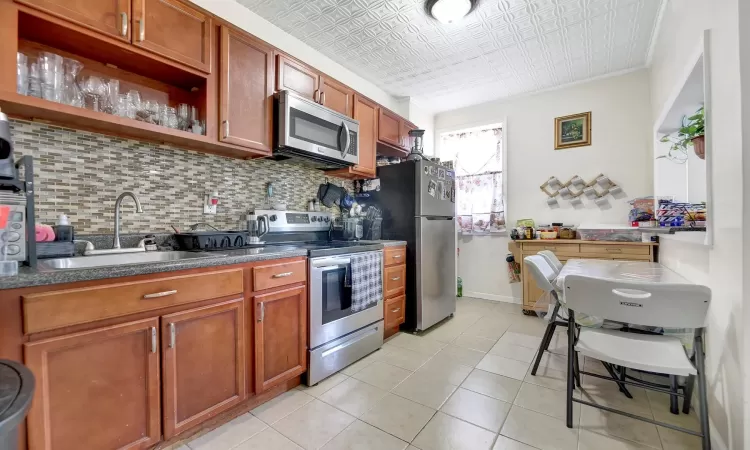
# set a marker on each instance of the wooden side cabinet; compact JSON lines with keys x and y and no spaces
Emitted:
{"x":204,"y":364}
{"x":280,"y":336}
{"x":394,"y":285}
{"x":246,"y":91}
{"x":366,"y":112}
{"x":389,"y":128}
{"x":96,"y":389}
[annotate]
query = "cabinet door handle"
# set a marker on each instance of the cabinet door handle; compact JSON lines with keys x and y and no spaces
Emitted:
{"x":172,"y":335}
{"x":124,"y":17}
{"x":614,"y":250}
{"x":396,"y":256}
{"x":315,"y":95}
{"x":153,"y":339}
{"x":323,"y":98}
{"x":160,"y":294}
{"x":262,"y":312}
{"x":226,"y":129}
{"x":396,"y":310}
{"x":395,"y":279}
{"x":141,"y":30}
{"x":283,"y":275}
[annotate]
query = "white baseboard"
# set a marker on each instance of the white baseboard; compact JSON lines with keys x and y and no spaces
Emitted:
{"x":497,"y":298}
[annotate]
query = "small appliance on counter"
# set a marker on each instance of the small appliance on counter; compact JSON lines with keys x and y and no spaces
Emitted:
{"x":17,"y":200}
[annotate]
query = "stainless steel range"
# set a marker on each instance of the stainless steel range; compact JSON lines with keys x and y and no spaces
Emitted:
{"x":338,"y":336}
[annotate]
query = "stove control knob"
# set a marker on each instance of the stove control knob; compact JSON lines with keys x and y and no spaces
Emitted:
{"x":273,"y":218}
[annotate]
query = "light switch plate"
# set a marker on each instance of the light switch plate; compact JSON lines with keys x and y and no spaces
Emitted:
{"x":209,"y":209}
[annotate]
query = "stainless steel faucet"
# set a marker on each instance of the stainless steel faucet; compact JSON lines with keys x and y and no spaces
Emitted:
{"x":118,"y":202}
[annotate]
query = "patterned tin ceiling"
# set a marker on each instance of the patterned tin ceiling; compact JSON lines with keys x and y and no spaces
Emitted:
{"x":504,"y":48}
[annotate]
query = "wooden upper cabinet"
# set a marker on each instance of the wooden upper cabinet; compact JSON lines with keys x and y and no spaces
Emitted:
{"x":389,"y":128}
{"x":366,"y":112}
{"x":110,"y":17}
{"x":173,"y":29}
{"x":246,"y":92}
{"x":204,"y":364}
{"x":96,"y":389}
{"x":296,"y":77}
{"x":280,"y":325}
{"x":336,"y":96}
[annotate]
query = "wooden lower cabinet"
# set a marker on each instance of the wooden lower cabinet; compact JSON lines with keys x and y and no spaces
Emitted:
{"x":280,"y":336}
{"x":98,"y":389}
{"x":203,"y":364}
{"x":394,"y":286}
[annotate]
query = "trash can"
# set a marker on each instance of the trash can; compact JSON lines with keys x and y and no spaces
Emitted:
{"x":16,"y":392}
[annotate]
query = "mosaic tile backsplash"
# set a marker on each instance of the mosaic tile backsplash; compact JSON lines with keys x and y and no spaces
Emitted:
{"x":81,"y":174}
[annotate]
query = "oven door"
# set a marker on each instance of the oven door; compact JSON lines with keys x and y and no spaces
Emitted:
{"x":310,"y":128}
{"x":331,"y":315}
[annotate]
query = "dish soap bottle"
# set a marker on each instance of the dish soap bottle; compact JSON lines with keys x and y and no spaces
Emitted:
{"x":460,"y":292}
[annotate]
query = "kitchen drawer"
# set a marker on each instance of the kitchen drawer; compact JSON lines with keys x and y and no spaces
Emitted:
{"x":395,"y":280}
{"x":57,"y":309}
{"x":394,"y":311}
{"x":538,"y":246}
{"x":393,"y":256}
{"x":614,"y":250}
{"x":275,"y":275}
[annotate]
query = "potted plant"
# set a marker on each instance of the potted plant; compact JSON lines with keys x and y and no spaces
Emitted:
{"x":692,"y":133}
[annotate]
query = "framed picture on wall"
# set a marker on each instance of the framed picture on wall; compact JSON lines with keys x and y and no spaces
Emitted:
{"x":573,"y":131}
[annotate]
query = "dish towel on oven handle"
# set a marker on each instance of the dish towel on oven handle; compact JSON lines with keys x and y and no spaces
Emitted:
{"x":367,"y":280}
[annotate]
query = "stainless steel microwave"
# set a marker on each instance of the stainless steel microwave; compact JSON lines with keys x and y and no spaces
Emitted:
{"x":308,"y":130}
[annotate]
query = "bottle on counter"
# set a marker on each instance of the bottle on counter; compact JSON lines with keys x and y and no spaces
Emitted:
{"x":64,"y":231}
{"x":460,"y":288}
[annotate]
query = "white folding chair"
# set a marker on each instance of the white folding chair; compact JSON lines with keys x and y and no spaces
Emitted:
{"x":544,"y":274}
{"x":639,"y":303}
{"x":552,"y":260}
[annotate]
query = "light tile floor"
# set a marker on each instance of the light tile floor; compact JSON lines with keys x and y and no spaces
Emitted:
{"x":465,"y":384}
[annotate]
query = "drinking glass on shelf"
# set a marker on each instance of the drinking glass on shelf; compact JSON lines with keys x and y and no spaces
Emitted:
{"x":111,"y":93}
{"x":22,"y":74}
{"x":135,"y":99}
{"x":183,"y":116}
{"x":172,"y":121}
{"x":35,"y":80}
{"x":52,"y":76}
{"x":163,"y":116}
{"x":94,"y":93}
{"x":198,"y":127}
{"x":71,"y":91}
{"x":123,"y":104}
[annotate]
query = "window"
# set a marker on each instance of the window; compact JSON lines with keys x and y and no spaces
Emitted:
{"x":477,"y":156}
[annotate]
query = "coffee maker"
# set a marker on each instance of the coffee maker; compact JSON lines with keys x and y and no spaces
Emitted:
{"x":8,"y":170}
{"x":18,"y":241}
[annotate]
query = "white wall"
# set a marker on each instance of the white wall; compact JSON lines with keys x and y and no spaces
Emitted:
{"x":240,"y":16}
{"x":621,"y":149}
{"x":679,"y":39}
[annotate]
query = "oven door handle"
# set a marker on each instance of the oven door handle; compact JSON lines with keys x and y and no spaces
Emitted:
{"x":326,"y":268}
{"x":329,"y":263}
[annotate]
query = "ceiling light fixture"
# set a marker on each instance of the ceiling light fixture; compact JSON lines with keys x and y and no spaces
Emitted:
{"x":449,"y":11}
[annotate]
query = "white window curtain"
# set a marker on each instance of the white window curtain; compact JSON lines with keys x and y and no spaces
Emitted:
{"x":478,"y":162}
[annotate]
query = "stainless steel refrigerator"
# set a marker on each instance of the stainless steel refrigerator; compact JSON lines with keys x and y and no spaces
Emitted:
{"x":418,"y":203}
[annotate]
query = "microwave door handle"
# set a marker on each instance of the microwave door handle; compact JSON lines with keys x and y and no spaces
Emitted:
{"x":347,"y":140}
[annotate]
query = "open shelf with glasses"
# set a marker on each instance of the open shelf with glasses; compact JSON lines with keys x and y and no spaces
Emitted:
{"x":155,"y":79}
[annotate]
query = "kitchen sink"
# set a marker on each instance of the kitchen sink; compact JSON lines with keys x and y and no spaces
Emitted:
{"x":83,"y":262}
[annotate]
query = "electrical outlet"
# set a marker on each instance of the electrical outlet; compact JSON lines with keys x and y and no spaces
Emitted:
{"x":209,"y":209}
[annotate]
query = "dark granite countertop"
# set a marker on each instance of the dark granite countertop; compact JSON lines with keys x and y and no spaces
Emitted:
{"x":28,"y":277}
